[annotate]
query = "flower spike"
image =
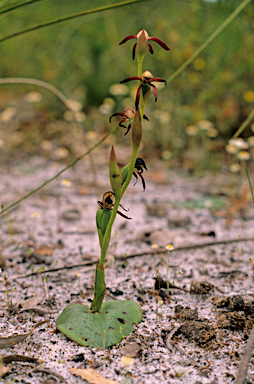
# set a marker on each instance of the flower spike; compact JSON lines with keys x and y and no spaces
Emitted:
{"x":146,"y":80}
{"x":127,"y":115}
{"x":142,"y":43}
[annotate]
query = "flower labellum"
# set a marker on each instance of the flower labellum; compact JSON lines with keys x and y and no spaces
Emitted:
{"x":142,"y":43}
{"x":146,"y":82}
{"x":127,"y":116}
{"x":138,"y":170}
{"x":108,"y":202}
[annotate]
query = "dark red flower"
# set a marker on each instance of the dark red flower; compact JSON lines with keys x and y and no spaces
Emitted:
{"x":139,"y":168}
{"x":108,"y":201}
{"x":143,"y":34}
{"x":127,"y":115}
{"x":146,"y":80}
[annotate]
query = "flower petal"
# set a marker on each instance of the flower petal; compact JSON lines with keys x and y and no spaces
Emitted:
{"x":159,"y":80}
{"x":138,"y":96}
{"x":133,"y":51}
{"x":160,"y":42}
{"x":134,"y":174}
{"x":150,"y":48}
{"x":143,"y":181}
{"x":121,"y":125}
{"x":155,"y":92}
{"x":130,"y":78}
{"x":128,"y":128}
{"x":115,"y":114}
{"x":121,"y":214}
{"x":128,"y":38}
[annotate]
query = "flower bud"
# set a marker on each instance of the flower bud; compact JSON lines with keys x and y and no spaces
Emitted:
{"x":115,"y":174}
{"x":102,"y":219}
{"x":136,"y":130}
{"x":125,"y":171}
{"x":141,"y":45}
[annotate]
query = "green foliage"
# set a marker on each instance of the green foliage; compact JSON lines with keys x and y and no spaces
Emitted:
{"x":116,"y":318}
{"x":99,"y":288}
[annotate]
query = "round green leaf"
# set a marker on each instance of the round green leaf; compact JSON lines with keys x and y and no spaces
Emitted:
{"x":99,"y":329}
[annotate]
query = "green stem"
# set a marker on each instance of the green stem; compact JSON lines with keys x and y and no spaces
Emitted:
{"x":107,"y":235}
{"x":244,"y":124}
{"x":16,"y":5}
{"x":106,"y":239}
{"x":135,"y":149}
{"x":64,"y":18}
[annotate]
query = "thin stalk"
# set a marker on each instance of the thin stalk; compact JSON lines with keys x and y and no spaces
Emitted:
{"x":131,"y":169}
{"x":248,"y":177}
{"x":58,"y":174}
{"x":16,"y":5}
{"x":69,"y":17}
{"x":213,"y":36}
{"x":140,"y":71}
{"x":244,"y":124}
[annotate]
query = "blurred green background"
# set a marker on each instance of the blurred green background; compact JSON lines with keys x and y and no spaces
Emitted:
{"x":82,"y":58}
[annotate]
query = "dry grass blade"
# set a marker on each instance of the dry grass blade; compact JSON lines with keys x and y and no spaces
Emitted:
{"x":11,"y":341}
{"x":15,"y":357}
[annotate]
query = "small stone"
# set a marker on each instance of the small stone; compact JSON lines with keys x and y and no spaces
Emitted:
{"x":189,"y":314}
{"x":180,"y":220}
{"x":197,"y":331}
{"x":71,"y":215}
{"x":2,"y":262}
{"x":231,"y":320}
{"x":131,"y":349}
{"x":156,"y":210}
{"x":201,"y":288}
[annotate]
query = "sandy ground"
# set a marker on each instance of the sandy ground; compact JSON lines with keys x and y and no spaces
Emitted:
{"x":55,"y":229}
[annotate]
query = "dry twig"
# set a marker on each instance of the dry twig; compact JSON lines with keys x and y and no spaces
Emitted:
{"x":243,"y":369}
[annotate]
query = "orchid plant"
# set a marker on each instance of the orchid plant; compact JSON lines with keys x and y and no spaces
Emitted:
{"x":105,"y":323}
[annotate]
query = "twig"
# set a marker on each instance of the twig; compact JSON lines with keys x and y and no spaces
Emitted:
{"x":49,"y":372}
{"x":170,"y":343}
{"x":243,"y":369}
{"x":191,"y":246}
{"x":170,"y":335}
{"x":53,"y":270}
{"x":109,"y":295}
{"x":160,"y":250}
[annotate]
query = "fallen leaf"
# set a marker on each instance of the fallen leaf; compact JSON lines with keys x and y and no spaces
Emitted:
{"x":3,"y":370}
{"x":11,"y":341}
{"x":91,"y":376}
{"x":35,"y":300}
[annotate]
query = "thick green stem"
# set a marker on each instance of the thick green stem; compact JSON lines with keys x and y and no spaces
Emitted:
{"x":107,"y":235}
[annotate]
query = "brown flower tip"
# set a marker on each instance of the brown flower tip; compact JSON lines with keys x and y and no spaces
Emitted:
{"x":127,"y":116}
{"x":142,"y":42}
